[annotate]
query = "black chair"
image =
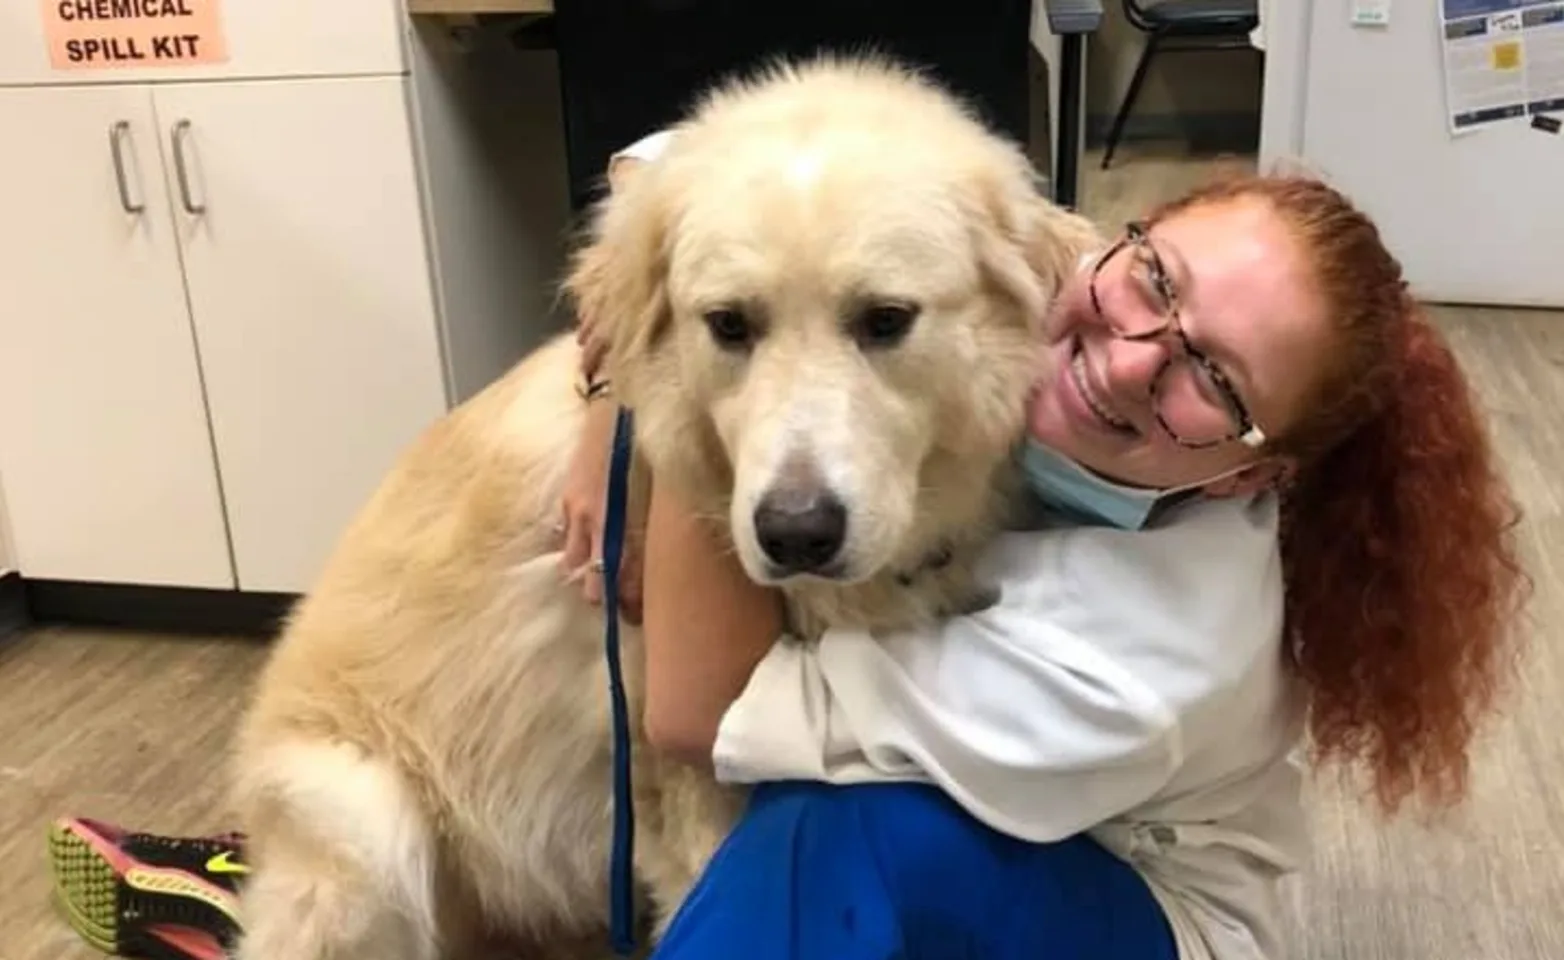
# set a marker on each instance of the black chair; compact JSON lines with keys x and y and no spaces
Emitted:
{"x":627,"y":67}
{"x":1181,"y":26}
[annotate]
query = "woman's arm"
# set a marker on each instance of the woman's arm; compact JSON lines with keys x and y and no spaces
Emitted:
{"x":706,"y":625}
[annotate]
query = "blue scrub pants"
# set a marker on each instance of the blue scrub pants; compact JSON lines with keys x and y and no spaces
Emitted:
{"x":899,"y":870}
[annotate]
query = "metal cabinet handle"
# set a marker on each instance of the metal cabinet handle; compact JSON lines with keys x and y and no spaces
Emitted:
{"x":117,"y":134}
{"x":182,"y":170}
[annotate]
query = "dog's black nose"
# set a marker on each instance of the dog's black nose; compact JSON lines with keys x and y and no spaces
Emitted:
{"x":800,"y":530}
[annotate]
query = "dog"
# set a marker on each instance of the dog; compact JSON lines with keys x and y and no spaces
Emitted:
{"x":824,"y":305}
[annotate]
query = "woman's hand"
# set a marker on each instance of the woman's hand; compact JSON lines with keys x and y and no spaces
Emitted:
{"x":585,"y":495}
{"x":593,"y":347}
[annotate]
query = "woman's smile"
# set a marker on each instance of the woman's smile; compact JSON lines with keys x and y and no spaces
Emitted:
{"x":1098,"y":409}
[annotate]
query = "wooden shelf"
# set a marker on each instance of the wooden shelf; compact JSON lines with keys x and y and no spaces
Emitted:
{"x":447,"y":8}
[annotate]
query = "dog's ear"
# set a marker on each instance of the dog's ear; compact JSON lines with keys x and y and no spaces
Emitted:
{"x":1029,"y":245}
{"x":618,"y":280}
{"x":1055,"y":240}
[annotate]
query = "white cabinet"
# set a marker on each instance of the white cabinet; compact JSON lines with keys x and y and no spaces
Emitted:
{"x":7,"y":553}
{"x":304,"y":257}
{"x":104,"y":446}
{"x":231,"y":303}
{"x":267,"y":244}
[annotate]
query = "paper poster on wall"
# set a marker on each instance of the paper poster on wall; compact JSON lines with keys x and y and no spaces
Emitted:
{"x":1504,"y":60}
{"x":1370,"y":13}
{"x":127,"y":34}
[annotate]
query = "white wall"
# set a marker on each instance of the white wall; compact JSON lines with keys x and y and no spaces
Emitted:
{"x":1285,"y":35}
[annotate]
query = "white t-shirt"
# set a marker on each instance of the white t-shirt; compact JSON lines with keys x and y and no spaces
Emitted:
{"x":1127,"y":684}
{"x":1130,"y":685}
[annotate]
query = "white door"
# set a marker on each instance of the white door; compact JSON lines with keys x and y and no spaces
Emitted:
{"x":304,"y":254}
{"x":97,"y":41}
{"x":105,"y":453}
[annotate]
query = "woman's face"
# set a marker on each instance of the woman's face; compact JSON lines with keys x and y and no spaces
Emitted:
{"x":1233,"y":281}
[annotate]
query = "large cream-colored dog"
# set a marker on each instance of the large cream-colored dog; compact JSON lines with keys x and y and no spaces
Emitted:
{"x":823,"y":304}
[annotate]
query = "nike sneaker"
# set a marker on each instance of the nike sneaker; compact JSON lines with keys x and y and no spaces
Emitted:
{"x":145,"y":895}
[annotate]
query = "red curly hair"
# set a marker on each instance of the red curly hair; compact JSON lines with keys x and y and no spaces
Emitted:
{"x":1403,"y":582}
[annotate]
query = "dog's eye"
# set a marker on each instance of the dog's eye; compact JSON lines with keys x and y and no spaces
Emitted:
{"x":729,"y":327}
{"x":884,"y":324}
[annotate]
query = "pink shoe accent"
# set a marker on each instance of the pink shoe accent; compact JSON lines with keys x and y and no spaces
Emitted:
{"x":103,"y":838}
{"x":193,"y":943}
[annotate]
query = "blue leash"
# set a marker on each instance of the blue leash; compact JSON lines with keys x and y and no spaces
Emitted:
{"x":621,"y":890}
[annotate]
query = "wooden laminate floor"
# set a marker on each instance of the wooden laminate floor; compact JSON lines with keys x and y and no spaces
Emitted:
{"x":133,"y":728}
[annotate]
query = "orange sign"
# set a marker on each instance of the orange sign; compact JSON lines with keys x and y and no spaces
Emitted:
{"x":94,"y":34}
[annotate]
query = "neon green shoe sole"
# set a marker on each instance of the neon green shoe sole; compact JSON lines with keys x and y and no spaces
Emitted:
{"x":85,"y":887}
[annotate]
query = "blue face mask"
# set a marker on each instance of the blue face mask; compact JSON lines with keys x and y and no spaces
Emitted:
{"x":1065,"y":485}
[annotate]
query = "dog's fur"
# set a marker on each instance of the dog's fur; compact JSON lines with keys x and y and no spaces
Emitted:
{"x":427,"y":757}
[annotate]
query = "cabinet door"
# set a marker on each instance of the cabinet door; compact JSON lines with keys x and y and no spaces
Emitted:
{"x":97,"y":41}
{"x":304,"y":252}
{"x":105,"y":451}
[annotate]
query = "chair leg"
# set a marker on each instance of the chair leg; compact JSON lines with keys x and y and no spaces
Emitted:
{"x":1117,"y":130}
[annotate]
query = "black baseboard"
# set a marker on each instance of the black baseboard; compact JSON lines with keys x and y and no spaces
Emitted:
{"x":162,"y":609}
{"x":1226,"y":132}
{"x":13,"y":604}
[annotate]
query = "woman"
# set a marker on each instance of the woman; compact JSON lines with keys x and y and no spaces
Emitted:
{"x":1276,"y":517}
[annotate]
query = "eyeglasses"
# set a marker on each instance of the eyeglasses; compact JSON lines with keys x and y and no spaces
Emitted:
{"x":1193,"y":400}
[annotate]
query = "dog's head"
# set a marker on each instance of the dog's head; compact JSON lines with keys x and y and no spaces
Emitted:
{"x":824,"y":304}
